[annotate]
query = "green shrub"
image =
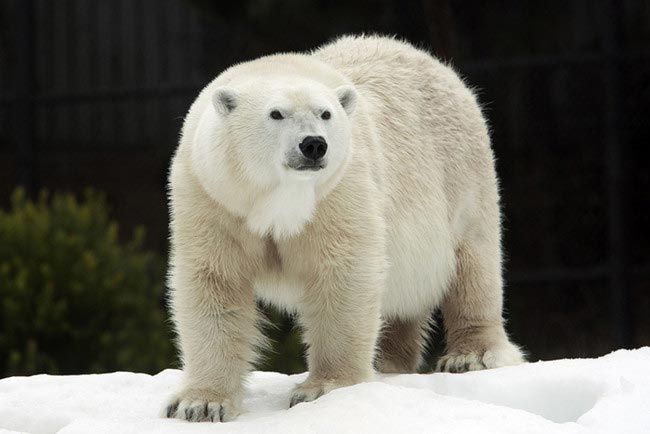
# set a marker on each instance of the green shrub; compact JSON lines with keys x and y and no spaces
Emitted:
{"x":286,"y":351}
{"x":74,"y":299}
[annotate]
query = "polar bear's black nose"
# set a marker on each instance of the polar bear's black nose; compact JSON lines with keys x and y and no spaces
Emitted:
{"x":313,"y":147}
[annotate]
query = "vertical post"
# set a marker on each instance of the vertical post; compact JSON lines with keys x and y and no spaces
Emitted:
{"x":439,"y":21}
{"x":24,"y":85}
{"x":620,"y":294}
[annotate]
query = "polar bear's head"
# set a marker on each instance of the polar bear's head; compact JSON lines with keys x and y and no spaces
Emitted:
{"x":274,"y":142}
{"x":275,"y":132}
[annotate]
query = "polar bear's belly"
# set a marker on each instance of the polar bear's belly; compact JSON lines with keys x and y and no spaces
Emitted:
{"x":422,"y":264}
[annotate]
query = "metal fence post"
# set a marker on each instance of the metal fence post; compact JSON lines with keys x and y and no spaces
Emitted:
{"x":619,"y":291}
{"x":24,"y":87}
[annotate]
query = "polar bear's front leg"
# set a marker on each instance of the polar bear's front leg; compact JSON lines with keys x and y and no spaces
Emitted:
{"x":340,"y":327}
{"x":216,"y":325}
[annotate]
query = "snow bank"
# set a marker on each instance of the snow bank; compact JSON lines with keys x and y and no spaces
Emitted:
{"x":610,"y":395}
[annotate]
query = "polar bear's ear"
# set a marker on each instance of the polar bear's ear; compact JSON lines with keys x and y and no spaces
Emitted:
{"x":347,"y":96}
{"x":224,"y":100}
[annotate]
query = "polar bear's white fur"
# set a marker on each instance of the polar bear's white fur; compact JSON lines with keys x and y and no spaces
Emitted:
{"x":400,"y":216}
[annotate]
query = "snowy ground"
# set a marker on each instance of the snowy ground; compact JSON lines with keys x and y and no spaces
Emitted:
{"x":610,"y":394}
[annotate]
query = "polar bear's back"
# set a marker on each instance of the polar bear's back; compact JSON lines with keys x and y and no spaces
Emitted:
{"x":423,"y":111}
{"x":439,"y":178}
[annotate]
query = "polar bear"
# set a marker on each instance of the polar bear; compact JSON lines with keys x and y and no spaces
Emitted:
{"x":353,"y":186}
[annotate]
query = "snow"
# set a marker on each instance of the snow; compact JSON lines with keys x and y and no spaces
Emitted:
{"x":610,"y":394}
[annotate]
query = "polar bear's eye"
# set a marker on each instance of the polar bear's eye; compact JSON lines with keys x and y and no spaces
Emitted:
{"x":275,"y":114}
{"x":325,"y":115}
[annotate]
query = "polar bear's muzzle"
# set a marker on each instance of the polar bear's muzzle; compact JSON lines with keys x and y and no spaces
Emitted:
{"x":301,"y":164}
{"x":311,"y":157}
{"x":313,"y":148}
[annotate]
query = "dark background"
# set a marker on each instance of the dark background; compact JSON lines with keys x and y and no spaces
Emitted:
{"x":92,"y":93}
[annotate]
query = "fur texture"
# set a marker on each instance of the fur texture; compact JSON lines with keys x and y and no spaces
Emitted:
{"x":402,"y":219}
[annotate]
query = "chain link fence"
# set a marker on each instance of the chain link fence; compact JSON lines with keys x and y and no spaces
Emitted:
{"x":93,"y":93}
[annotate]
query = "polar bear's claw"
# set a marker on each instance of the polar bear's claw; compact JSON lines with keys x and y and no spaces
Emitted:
{"x":200,"y":406}
{"x":170,"y":411}
{"x":459,"y":363}
{"x":297,"y":399}
{"x":506,"y":354}
{"x":309,"y":391}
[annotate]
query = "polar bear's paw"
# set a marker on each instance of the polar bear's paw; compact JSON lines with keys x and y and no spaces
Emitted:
{"x":311,"y":390}
{"x":201,"y":405}
{"x":457,"y":362}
